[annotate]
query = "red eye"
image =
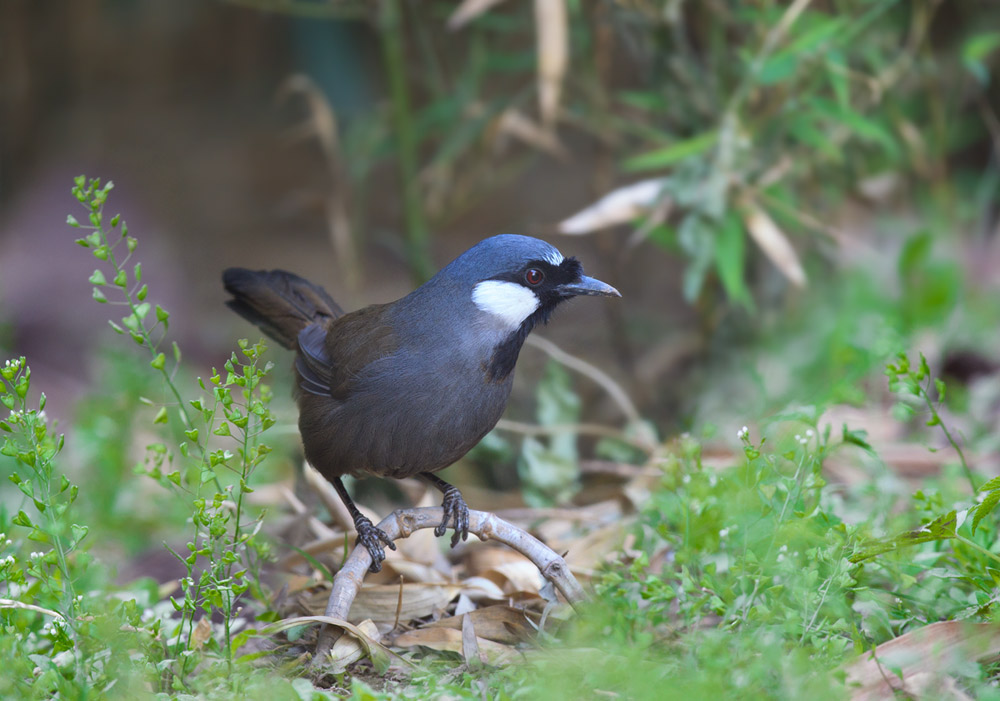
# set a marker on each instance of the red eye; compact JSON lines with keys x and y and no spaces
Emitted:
{"x":534,"y":276}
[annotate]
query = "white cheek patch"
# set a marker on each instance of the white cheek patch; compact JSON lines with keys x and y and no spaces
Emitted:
{"x":511,"y":302}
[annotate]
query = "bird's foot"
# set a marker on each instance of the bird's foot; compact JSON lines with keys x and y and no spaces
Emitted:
{"x":456,"y":511}
{"x":372,"y":537}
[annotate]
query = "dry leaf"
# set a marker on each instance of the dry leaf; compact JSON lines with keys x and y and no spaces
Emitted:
{"x":470,"y":646}
{"x":299,"y":582}
{"x":366,"y":634}
{"x":499,"y":623}
{"x":519,"y":126}
{"x":468,"y":11}
{"x":414,"y":571}
{"x":379,"y":602}
{"x":508,"y":569}
{"x":516,"y":577}
{"x":322,"y":120}
{"x":479,"y":588}
{"x":348,"y":648}
{"x":484,"y":558}
{"x":619,"y":206}
{"x":451,"y":640}
{"x":202,"y":632}
{"x":919,"y":661}
{"x":552,"y":31}
{"x":588,"y":552}
{"x":774,"y":244}
{"x":464,"y":605}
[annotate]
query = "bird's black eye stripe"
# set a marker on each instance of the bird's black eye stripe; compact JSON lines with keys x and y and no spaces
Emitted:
{"x":541,"y":274}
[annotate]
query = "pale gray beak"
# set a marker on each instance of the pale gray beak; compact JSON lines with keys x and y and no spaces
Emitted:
{"x":588,"y":286}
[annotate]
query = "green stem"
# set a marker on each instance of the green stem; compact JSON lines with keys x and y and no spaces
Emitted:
{"x":147,"y":343}
{"x":936,"y":418}
{"x":976,"y":546}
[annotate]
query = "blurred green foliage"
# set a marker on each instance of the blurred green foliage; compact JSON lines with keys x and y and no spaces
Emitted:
{"x":758,"y":579}
{"x":785,"y":108}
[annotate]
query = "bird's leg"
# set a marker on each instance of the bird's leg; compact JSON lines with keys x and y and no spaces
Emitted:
{"x":455,"y":509}
{"x":369,"y":535}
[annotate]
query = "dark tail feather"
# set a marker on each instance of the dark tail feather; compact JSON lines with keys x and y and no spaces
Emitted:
{"x":280,"y":303}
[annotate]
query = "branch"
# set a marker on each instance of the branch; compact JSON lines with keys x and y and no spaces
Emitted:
{"x":619,"y":395}
{"x":402,"y":522}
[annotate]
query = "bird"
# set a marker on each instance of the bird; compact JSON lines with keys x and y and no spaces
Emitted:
{"x":407,"y":388}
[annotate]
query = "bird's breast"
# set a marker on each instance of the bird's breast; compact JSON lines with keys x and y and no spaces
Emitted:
{"x":406,"y":414}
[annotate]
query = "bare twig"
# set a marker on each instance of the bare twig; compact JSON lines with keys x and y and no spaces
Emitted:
{"x":614,"y":389}
{"x":599,"y":430}
{"x":12,"y":604}
{"x":318,"y":528}
{"x":403,"y":522}
{"x":324,"y":490}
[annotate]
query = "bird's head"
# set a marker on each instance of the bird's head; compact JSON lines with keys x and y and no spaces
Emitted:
{"x":515,"y":282}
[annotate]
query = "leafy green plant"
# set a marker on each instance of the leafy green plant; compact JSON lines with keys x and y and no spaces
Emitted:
{"x":62,"y":633}
{"x":224,"y":551}
{"x":46,"y":579}
{"x":914,"y":383}
{"x":548,"y":470}
{"x":31,"y":444}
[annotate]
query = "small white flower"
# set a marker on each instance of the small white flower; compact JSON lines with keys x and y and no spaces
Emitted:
{"x":686,"y":479}
{"x":803,"y":441}
{"x":723,"y":533}
{"x":810,"y":432}
{"x":798,"y":437}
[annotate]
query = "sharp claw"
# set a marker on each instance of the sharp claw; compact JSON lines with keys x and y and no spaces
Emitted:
{"x":456,"y":512}
{"x":372,"y":538}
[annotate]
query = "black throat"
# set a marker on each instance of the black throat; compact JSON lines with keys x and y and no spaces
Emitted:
{"x":501,"y":363}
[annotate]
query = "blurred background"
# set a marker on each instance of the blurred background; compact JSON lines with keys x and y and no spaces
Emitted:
{"x":784,"y":148}
{"x":787,"y":194}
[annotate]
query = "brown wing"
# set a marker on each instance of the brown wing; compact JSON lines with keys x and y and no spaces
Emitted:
{"x":278,"y":302}
{"x":332,"y":355}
